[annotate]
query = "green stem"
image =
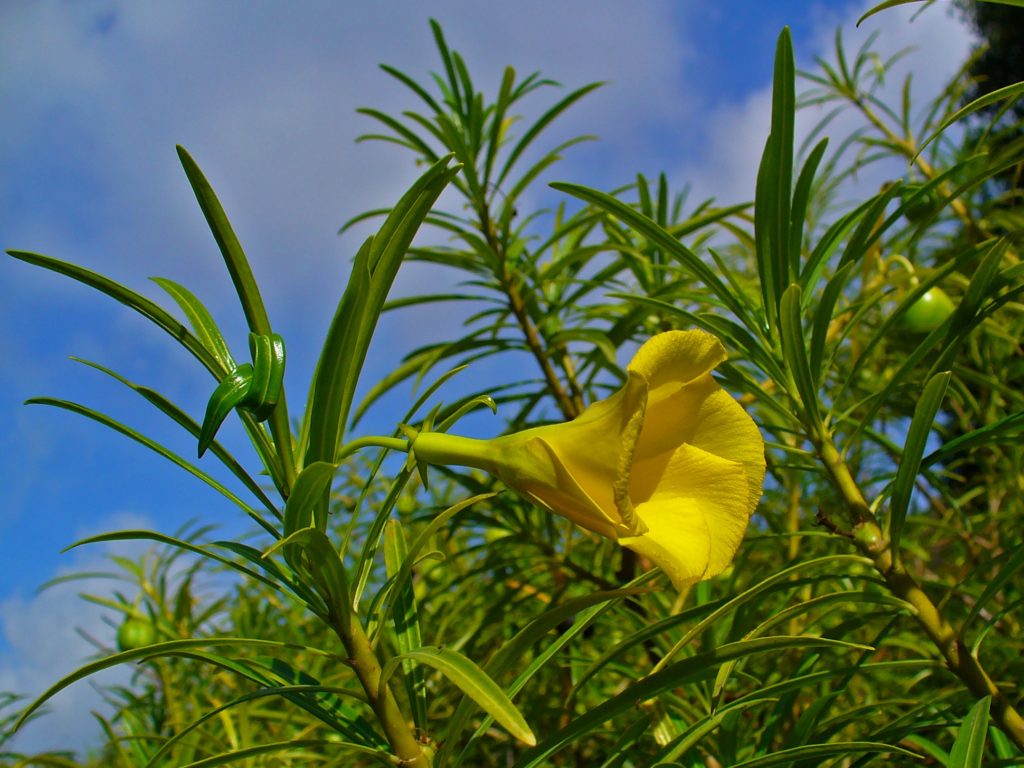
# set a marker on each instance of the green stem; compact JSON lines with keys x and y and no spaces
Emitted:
{"x":872,"y":542}
{"x":570,"y":406}
{"x":372,"y":441}
{"x":368,"y":669}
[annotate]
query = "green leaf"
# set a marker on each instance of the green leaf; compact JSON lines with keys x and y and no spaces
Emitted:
{"x":818,"y":752}
{"x":202,"y":322}
{"x":794,"y":351}
{"x":822,"y":320}
{"x":1007,"y":93}
{"x":406,"y":621}
{"x":1013,"y":563}
{"x":145,"y":307}
{"x":250,"y":299}
{"x":230,"y":248}
{"x":309,"y":488}
{"x":910,"y":461}
{"x":801,"y":196}
{"x":664,"y":240}
{"x":154,"y":651}
{"x":579,"y":612}
{"x":283,"y":691}
{"x":1004,"y":431}
{"x":472,"y":681}
{"x":830,"y":563}
{"x":154,"y":446}
{"x":189,"y":424}
{"x":893,"y":3}
{"x":323,"y":565}
{"x":539,"y":125}
{"x":293,"y":748}
{"x":228,"y":395}
{"x":348,"y":337}
{"x":699,"y":667}
{"x":969,"y":748}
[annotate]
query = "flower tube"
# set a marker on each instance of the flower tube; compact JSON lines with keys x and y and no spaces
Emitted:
{"x":670,"y":466}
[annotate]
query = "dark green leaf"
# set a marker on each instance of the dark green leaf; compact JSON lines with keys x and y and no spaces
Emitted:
{"x":910,"y":461}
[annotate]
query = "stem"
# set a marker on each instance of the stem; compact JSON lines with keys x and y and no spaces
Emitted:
{"x":872,"y":542}
{"x":367,"y":668}
{"x":569,"y":406}
{"x":909,"y":149}
{"x":371,"y":441}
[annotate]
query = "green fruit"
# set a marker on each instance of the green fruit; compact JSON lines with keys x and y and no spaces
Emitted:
{"x":135,"y":633}
{"x":928,"y":312}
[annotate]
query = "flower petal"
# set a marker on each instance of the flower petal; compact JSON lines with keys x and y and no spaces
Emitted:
{"x":696,"y":507}
{"x":706,"y":416}
{"x":560,"y":492}
{"x":596,"y":451}
{"x":675,"y":358}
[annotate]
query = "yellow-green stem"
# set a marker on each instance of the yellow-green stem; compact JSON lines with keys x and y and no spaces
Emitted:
{"x":365,"y":664}
{"x":872,"y":542}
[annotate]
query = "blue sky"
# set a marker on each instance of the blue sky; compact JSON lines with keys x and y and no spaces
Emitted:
{"x":96,"y":93}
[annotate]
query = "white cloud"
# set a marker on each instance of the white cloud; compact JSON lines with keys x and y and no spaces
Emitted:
{"x":939,"y":42}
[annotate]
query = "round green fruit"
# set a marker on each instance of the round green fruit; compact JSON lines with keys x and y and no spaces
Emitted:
{"x":135,"y":633}
{"x":928,"y":312}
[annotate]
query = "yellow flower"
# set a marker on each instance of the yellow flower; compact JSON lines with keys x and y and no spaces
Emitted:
{"x":670,"y":466}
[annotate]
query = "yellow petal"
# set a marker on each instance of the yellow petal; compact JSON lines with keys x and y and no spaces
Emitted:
{"x":596,"y":450}
{"x":696,"y":507}
{"x":706,"y":416}
{"x":561,"y":493}
{"x":675,"y":358}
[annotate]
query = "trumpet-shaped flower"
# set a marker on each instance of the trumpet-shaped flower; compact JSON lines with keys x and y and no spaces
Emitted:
{"x":670,"y":466}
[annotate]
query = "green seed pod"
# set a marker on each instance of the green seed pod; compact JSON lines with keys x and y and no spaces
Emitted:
{"x":135,"y":633}
{"x":928,"y":312}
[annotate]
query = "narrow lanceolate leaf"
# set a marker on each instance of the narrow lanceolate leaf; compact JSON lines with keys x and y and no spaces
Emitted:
{"x":348,"y":337}
{"x":1007,"y":430}
{"x":1007,"y":93}
{"x":202,"y":322}
{"x":228,"y":395}
{"x":774,"y":187}
{"x":189,"y":424}
{"x":801,"y":197}
{"x":823,"y":315}
{"x":293,"y":748}
{"x":154,"y":651}
{"x":153,"y":445}
{"x":893,"y":3}
{"x":252,"y":305}
{"x":282,"y":691}
{"x":663,"y":239}
{"x":913,"y":450}
{"x":309,"y":487}
{"x":406,"y":621}
{"x":230,"y":248}
{"x":323,"y":565}
{"x":819,"y":752}
{"x":969,"y":748}
{"x":1011,"y":566}
{"x":130,"y":298}
{"x":794,"y":351}
{"x":472,"y":681}
{"x":702,"y":666}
